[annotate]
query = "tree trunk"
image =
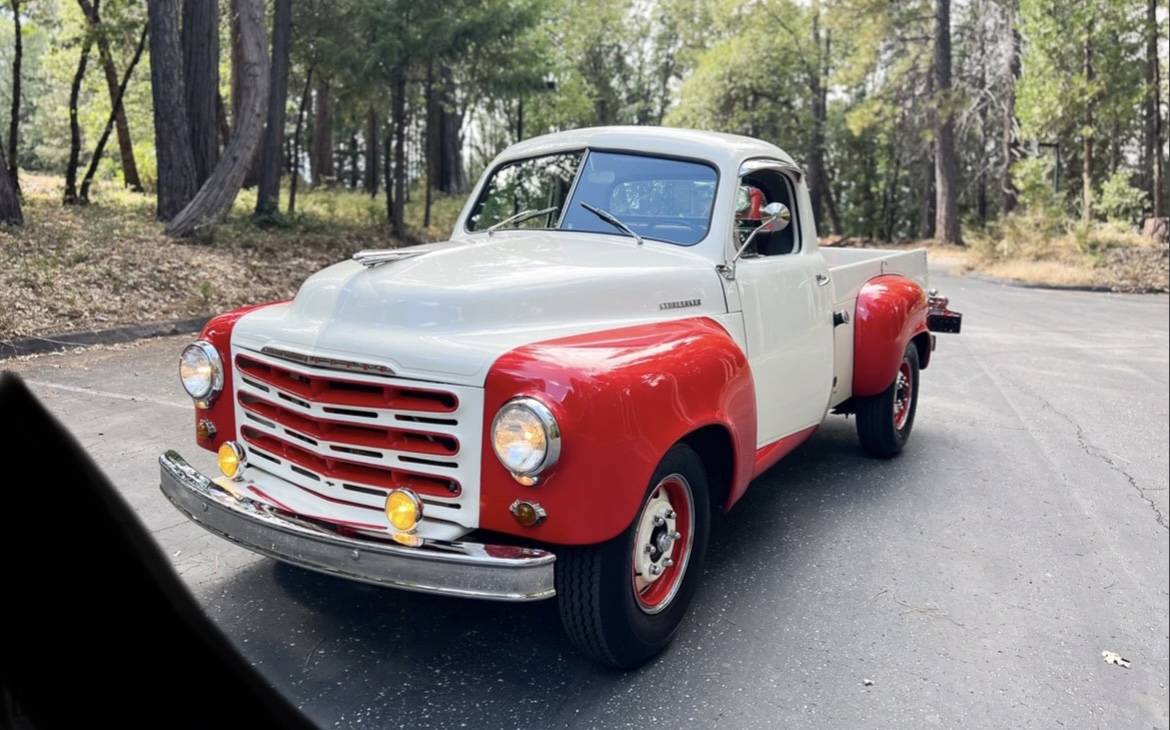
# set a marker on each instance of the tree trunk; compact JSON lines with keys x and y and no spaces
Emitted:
{"x":946,"y":207}
{"x":71,"y":197}
{"x":268,"y":197}
{"x":372,"y":153}
{"x":200,"y":40}
{"x":14,"y":122}
{"x":815,"y":72}
{"x":221,"y":121}
{"x":432,"y":142}
{"x":1087,"y":133}
{"x":321,"y":158}
{"x":237,"y":59}
{"x":926,"y":215}
{"x":1008,"y":198}
{"x":10,"y":213}
{"x":125,"y":145}
{"x":451,"y":175}
{"x":1153,"y":127}
{"x":115,"y":105}
{"x":354,"y":167}
{"x":219,"y":192}
{"x":172,"y":135}
{"x":398,"y":208}
{"x":295,"y":175}
{"x":388,"y":170}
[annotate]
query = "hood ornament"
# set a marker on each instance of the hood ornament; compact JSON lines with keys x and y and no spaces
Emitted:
{"x":373,"y":257}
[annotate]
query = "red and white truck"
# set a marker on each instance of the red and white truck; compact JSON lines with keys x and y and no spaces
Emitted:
{"x":627,"y":326}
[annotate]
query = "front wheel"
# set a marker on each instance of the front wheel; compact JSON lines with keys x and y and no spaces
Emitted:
{"x":621,"y":601}
{"x":884,"y":421}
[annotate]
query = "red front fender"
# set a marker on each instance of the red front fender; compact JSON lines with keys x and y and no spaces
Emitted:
{"x":221,"y":414}
{"x":622,"y":398}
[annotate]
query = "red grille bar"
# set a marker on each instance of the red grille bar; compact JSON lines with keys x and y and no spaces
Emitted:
{"x":342,"y":392}
{"x":351,"y":472}
{"x":351,"y":433}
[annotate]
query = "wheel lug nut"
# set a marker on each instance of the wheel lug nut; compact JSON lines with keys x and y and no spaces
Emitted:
{"x":676,"y":535}
{"x":667,"y":563}
{"x":658,"y":522}
{"x":648,"y":549}
{"x":655,"y":570}
{"x":670,"y":514}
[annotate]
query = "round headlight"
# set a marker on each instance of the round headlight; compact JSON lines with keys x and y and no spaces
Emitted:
{"x":201,"y":371}
{"x":526,"y":438}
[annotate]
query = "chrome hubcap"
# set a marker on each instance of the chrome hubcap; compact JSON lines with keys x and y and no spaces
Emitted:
{"x":903,"y":394}
{"x":662,"y":543}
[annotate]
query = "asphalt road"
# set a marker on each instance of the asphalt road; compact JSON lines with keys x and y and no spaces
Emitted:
{"x":975,"y":580}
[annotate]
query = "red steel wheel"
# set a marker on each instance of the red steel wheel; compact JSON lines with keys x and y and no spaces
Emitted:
{"x":662,"y":543}
{"x":622,"y":600}
{"x":884,"y":421}
{"x":903,"y":394}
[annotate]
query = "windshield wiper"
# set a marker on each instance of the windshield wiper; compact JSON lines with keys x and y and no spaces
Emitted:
{"x":520,"y":217}
{"x":611,"y":219}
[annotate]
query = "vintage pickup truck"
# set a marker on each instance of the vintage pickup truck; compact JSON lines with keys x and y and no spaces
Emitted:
{"x":628,"y":325}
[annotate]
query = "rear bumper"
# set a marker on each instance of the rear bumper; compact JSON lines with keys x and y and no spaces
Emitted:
{"x":471,"y":570}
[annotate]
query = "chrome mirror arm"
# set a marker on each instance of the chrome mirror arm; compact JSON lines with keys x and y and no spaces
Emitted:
{"x":776,"y":213}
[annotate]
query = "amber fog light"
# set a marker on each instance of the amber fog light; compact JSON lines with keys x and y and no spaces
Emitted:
{"x":231,"y":459}
{"x":403,"y":510}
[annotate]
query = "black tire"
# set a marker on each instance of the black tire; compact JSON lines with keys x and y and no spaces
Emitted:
{"x":877,"y":419}
{"x":595,"y":585}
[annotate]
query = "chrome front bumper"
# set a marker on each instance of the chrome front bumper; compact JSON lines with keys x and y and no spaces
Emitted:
{"x":493,"y":572}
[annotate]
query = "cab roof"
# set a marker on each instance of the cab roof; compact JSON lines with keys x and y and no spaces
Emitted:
{"x":727,"y":151}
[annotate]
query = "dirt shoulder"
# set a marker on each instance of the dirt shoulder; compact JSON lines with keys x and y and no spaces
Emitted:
{"x":96,"y":267}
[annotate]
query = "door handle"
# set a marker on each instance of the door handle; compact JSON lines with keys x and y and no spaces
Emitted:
{"x":823,"y":279}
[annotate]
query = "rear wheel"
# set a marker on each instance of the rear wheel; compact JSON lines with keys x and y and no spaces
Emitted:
{"x":621,"y":601}
{"x":884,"y":421}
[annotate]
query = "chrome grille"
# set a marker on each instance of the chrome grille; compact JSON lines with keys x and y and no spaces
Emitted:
{"x":339,"y":441}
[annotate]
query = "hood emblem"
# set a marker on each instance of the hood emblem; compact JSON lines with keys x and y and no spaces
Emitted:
{"x":680,"y":304}
{"x":373,"y":257}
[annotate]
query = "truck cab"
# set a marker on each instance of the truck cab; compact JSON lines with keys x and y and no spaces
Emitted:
{"x":626,"y":327}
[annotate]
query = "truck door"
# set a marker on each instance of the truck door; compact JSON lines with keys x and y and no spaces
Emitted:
{"x":786,"y":296}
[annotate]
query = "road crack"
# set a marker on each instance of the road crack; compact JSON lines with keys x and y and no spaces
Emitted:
{"x":1098,"y":453}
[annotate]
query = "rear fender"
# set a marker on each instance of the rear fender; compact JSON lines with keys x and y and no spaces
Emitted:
{"x":891,"y":311}
{"x":622,"y":398}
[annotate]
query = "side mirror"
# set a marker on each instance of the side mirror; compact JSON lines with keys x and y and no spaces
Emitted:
{"x":776,"y":218}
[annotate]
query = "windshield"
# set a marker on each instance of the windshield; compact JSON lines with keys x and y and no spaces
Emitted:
{"x":658,"y":198}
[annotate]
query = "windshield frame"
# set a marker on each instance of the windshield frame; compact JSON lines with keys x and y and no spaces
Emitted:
{"x":586,"y":152}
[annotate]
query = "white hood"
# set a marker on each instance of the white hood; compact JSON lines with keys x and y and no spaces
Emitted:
{"x":447,"y":314}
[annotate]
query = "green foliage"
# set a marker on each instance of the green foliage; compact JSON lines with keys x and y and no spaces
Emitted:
{"x":1033,"y":178}
{"x":1120,"y":201}
{"x":724,"y":65}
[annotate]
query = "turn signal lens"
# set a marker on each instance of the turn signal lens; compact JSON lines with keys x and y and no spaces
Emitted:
{"x":403,"y":510}
{"x":230,"y":458}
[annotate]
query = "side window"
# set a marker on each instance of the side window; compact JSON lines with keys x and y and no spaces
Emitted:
{"x":756,"y":191}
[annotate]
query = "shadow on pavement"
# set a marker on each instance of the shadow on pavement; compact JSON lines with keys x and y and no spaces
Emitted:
{"x":367,"y":652}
